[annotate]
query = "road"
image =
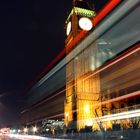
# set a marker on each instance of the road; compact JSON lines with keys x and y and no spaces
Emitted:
{"x":24,"y":137}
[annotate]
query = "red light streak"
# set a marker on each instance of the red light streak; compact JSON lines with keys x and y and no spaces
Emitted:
{"x":111,"y":4}
{"x":131,"y":51}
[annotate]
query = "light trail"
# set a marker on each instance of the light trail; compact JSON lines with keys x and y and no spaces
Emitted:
{"x":98,"y":18}
{"x":103,"y":68}
{"x":31,"y":137}
{"x":116,"y":61}
{"x":117,"y":116}
{"x":120,"y":98}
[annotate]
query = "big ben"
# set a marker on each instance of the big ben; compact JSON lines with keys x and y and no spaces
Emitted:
{"x":79,"y":19}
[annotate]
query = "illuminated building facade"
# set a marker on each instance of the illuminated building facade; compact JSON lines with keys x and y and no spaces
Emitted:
{"x":79,"y":90}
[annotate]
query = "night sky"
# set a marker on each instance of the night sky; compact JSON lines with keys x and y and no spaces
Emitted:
{"x":31,"y":35}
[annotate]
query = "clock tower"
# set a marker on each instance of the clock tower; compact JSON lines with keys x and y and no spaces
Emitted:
{"x":79,"y":19}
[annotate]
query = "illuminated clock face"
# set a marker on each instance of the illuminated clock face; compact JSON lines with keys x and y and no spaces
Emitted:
{"x":85,"y":23}
{"x":68,"y":29}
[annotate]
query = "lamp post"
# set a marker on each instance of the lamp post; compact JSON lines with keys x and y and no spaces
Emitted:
{"x":34,"y":129}
{"x":25,"y":130}
{"x":19,"y":130}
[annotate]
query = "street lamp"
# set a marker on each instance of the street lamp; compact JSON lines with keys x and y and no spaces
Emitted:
{"x":14,"y":131}
{"x":25,"y":130}
{"x":19,"y":130}
{"x":34,"y":129}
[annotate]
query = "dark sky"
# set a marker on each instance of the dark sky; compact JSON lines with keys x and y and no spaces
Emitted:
{"x":31,"y":35}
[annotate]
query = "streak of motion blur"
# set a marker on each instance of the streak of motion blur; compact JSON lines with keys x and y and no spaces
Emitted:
{"x":23,"y":137}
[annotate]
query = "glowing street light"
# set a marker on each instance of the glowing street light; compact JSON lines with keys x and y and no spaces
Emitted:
{"x":34,"y":129}
{"x":14,"y":131}
{"x":10,"y":131}
{"x":19,"y":130}
{"x":25,"y":130}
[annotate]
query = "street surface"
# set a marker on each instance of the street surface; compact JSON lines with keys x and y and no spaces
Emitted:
{"x":24,"y":137}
